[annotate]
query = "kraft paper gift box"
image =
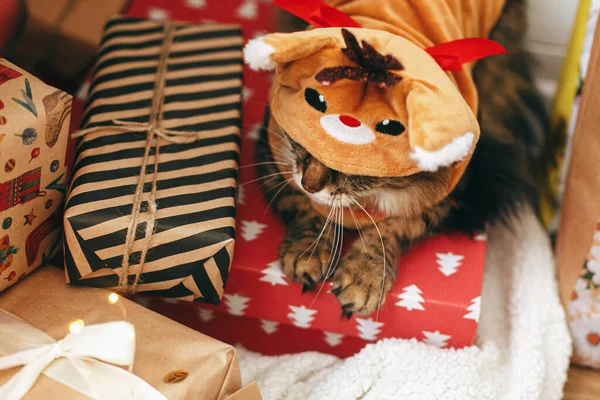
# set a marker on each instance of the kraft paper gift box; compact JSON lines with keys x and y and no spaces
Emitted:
{"x":578,"y":239}
{"x":61,"y":37}
{"x":178,"y":362}
{"x":34,"y":124}
{"x":151,"y":207}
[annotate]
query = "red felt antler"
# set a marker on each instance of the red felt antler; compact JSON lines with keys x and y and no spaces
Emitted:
{"x":450,"y":56}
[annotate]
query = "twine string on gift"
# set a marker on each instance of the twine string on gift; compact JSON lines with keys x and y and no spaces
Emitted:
{"x":154,"y":135}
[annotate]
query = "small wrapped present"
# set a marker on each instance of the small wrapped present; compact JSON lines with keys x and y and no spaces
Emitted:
{"x":578,"y":239}
{"x":34,"y":124}
{"x":436,"y":298}
{"x":169,"y":360}
{"x":151,"y":207}
{"x":61,"y":36}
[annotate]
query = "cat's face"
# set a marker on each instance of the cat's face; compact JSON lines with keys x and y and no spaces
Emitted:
{"x":407,"y":196}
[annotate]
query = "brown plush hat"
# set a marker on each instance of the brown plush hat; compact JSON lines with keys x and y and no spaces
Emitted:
{"x":366,"y":102}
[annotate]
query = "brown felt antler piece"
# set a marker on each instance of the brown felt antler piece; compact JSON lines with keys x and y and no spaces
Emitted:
{"x":372,"y":66}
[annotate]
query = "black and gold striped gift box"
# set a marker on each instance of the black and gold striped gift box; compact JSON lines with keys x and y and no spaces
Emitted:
{"x":151,"y":206}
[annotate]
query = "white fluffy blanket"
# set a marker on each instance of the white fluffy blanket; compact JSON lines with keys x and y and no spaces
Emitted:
{"x":522,"y":351}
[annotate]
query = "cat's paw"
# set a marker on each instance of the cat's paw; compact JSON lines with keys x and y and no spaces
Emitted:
{"x":360,"y":285}
{"x":304,"y":262}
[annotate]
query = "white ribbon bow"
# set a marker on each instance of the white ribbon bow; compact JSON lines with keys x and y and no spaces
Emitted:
{"x":88,"y":361}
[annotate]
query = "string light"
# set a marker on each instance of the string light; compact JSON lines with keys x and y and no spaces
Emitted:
{"x":130,"y":333}
{"x":76,"y":326}
{"x":113,"y":298}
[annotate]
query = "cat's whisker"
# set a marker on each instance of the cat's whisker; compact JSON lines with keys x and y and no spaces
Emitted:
{"x":264,"y":163}
{"x":318,"y":237}
{"x":283,"y":186}
{"x":333,"y":251}
{"x":360,"y":231}
{"x":263,"y":177}
{"x":338,"y":241}
{"x":384,"y":255}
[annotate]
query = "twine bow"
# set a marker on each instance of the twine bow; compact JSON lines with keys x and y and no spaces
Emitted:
{"x":90,"y":361}
{"x":154,"y":135}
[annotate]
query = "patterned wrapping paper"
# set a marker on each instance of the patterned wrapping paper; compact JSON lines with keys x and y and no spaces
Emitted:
{"x":34,"y":123}
{"x":171,"y":89}
{"x":584,"y":309}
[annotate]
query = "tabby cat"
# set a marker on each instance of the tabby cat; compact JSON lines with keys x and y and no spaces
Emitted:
{"x":501,"y":176}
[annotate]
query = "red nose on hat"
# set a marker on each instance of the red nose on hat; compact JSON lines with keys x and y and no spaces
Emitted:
{"x":349,"y":121}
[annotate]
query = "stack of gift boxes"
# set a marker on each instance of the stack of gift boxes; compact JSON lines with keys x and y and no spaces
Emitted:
{"x":155,"y":205}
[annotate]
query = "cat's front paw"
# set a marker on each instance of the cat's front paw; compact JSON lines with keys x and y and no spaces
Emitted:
{"x":305,"y":262}
{"x":360,"y":283}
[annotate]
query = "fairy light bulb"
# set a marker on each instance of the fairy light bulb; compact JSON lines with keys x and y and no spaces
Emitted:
{"x":130,"y":333}
{"x":76,"y":326}
{"x":113,"y":298}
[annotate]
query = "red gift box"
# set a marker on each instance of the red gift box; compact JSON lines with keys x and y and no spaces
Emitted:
{"x":435,"y":298}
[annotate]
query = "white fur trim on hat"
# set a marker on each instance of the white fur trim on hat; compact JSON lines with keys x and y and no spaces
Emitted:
{"x":257,"y":55}
{"x":454,"y":151}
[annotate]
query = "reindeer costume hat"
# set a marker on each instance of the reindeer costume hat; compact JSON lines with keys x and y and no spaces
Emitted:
{"x":371,"y":101}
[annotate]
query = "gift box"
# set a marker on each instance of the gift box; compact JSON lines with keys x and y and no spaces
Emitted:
{"x":61,"y":36}
{"x":170,"y":358}
{"x":436,"y":298}
{"x":151,"y":207}
{"x":578,"y":238}
{"x":34,"y":123}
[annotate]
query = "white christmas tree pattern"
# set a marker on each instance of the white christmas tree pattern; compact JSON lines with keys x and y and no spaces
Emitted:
{"x":83,"y":91}
{"x":333,"y":339}
{"x":448,"y":263}
{"x":301,"y":316}
{"x":481,"y":237}
{"x":157,"y":14}
{"x":411,"y":298}
{"x":474,"y":309}
{"x":273,"y":274}
{"x":248,"y":10}
{"x":254,"y":132}
{"x":252,"y":229}
{"x":436,"y":339}
{"x":236,"y":304}
{"x":247,"y":93}
{"x":241,"y":195}
{"x":269,"y":327}
{"x":206,"y":314}
{"x":195,"y":3}
{"x":368,"y":329}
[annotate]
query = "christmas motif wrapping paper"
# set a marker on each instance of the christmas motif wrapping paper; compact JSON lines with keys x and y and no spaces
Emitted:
{"x":436,"y":297}
{"x":179,"y":362}
{"x":584,"y":308}
{"x":34,"y":124}
{"x":151,"y":206}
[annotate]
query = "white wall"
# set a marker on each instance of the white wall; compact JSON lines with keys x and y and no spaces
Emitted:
{"x":550,"y":23}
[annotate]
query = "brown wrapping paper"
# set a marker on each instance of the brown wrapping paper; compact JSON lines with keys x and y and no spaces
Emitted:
{"x":151,"y":207}
{"x":579,"y":217}
{"x":61,"y":36}
{"x":162,"y":345}
{"x":34,"y":124}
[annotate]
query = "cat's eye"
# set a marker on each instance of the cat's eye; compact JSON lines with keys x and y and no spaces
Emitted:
{"x":315,"y":99}
{"x":390,"y":127}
